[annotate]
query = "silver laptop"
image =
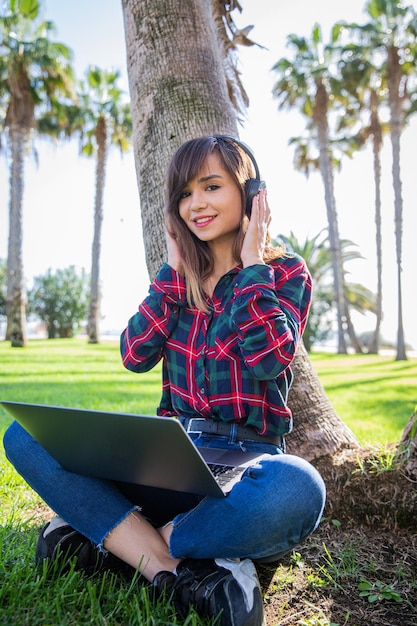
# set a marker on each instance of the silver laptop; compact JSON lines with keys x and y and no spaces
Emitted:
{"x":140,"y":449}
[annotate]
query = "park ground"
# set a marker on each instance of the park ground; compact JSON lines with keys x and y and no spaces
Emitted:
{"x":360,"y":566}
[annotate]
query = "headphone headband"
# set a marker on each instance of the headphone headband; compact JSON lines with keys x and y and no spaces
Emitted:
{"x":252,"y":185}
{"x":245,"y":148}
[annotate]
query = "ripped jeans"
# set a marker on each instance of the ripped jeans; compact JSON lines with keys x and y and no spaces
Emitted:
{"x":275,"y":506}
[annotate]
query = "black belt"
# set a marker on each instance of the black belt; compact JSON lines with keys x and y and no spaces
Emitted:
{"x":212,"y":427}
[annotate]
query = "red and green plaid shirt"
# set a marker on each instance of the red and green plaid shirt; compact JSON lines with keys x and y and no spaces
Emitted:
{"x":233,"y":363}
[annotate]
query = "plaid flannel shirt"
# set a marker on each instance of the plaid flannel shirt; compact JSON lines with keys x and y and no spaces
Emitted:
{"x":233,"y":363}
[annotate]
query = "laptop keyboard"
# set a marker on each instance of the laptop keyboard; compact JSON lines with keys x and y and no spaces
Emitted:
{"x":224,"y":473}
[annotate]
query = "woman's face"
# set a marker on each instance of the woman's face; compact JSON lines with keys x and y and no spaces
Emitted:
{"x":211,"y":203}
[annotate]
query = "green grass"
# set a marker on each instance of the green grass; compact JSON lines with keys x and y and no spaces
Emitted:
{"x":75,"y":373}
{"x":374,"y":395}
{"x":42,"y":596}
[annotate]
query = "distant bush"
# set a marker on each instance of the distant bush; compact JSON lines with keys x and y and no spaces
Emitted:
{"x":366,"y":339}
{"x":60,"y":300}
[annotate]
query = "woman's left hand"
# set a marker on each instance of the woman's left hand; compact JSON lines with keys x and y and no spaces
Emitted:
{"x":255,"y":238}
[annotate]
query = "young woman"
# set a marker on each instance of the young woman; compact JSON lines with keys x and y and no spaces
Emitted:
{"x":225,"y":314}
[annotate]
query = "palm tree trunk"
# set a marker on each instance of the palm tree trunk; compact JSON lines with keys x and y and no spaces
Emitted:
{"x":395,"y":141}
{"x":350,"y":329}
{"x":396,"y":123}
{"x":94,"y":306}
{"x":376,"y":144}
{"x":320,"y":119}
{"x":15,"y":298}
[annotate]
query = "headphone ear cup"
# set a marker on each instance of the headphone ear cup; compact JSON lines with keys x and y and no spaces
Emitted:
{"x":252,"y":187}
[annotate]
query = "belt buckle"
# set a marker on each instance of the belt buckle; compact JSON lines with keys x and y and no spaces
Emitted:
{"x":191,"y":428}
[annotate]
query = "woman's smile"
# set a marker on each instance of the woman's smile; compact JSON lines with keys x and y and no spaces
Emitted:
{"x":204,"y":221}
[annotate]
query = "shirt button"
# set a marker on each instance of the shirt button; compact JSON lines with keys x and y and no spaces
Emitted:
{"x":202,"y":390}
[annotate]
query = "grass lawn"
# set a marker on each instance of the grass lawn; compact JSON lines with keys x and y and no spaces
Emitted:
{"x":374,"y":395}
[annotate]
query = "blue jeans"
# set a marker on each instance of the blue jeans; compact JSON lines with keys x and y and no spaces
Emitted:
{"x":274,"y":507}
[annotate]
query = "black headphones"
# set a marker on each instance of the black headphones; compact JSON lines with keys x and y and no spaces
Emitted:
{"x":252,"y":185}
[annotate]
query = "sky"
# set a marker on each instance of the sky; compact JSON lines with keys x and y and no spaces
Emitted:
{"x":59,"y":186}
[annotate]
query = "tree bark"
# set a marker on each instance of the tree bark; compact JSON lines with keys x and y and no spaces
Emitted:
{"x":350,"y":329}
{"x":178,"y":89}
{"x":407,"y":449}
{"x":396,"y":125}
{"x":94,"y":305}
{"x":376,"y":132}
{"x":16,"y":296}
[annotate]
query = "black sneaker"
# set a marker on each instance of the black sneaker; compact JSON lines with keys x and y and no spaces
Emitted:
{"x":224,"y":586}
{"x":59,"y":542}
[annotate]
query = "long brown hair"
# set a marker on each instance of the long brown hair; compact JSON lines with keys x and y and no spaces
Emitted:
{"x":185,"y":165}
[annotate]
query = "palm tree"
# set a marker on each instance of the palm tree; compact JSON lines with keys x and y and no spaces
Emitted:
{"x":186,"y":93}
{"x":363,"y":82}
{"x":389,"y":38}
{"x":316,"y":252}
{"x":36,"y":72}
{"x":313,"y":251}
{"x":306,"y":161}
{"x":104,"y":119}
{"x":307,"y":83}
